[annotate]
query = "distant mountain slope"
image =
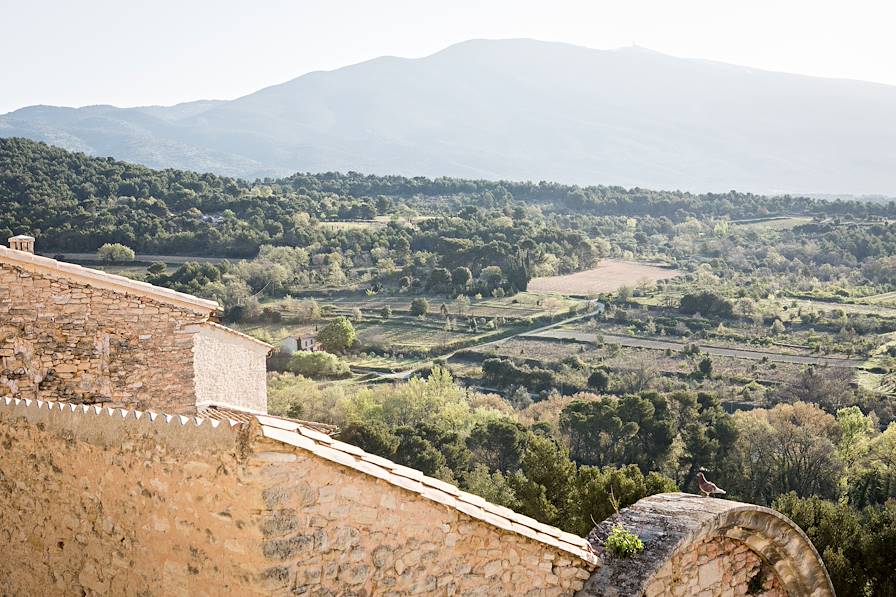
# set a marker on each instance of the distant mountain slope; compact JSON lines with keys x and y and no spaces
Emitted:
{"x":519,"y":109}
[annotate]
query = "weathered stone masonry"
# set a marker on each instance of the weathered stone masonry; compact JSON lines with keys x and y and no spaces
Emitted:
{"x":708,"y":547}
{"x":83,"y":336}
{"x":105,"y":502}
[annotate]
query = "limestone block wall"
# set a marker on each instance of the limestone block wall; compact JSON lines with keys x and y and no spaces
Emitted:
{"x":229,"y":368}
{"x":110,"y":502}
{"x":716,"y":567}
{"x":707,"y":547}
{"x":95,"y":503}
{"x":333,"y":530}
{"x":65,"y":340}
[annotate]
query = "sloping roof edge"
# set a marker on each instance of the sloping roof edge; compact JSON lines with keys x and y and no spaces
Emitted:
{"x":100,"y":279}
{"x":412,"y":480}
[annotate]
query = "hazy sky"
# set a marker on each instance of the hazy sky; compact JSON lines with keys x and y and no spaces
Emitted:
{"x":136,"y":52}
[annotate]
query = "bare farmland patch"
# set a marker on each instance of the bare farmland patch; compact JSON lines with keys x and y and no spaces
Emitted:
{"x":610,"y":275}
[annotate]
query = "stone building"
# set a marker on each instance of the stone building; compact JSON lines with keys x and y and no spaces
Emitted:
{"x":303,"y":341}
{"x":80,"y":335}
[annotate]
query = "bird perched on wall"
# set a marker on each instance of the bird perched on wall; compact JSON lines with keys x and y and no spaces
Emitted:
{"x":707,"y":488}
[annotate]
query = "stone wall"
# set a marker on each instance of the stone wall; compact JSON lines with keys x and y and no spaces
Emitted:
{"x":716,"y":567}
{"x":331,"y":530}
{"x":707,"y":547}
{"x":229,"y":369}
{"x":64,"y":340}
{"x":103,"y":502}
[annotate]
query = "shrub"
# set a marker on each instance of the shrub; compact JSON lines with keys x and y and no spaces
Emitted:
{"x":704,"y":367}
{"x":419,"y":306}
{"x":115,"y":252}
{"x":599,"y":380}
{"x":317,"y":364}
{"x":622,"y":543}
{"x":706,"y":303}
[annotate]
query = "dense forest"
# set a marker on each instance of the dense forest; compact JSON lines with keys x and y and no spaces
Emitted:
{"x":75,"y":203}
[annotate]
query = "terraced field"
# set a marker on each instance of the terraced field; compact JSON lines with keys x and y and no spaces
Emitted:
{"x":740,"y":353}
{"x":525,"y":305}
{"x":609,"y":276}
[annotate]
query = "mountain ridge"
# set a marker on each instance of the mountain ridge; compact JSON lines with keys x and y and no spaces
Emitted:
{"x":518,"y":109}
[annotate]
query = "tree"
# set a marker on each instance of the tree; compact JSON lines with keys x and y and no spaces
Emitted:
{"x":597,"y":487}
{"x":439,"y":280}
{"x":461,"y":303}
{"x":386,"y":312}
{"x":491,"y":277}
{"x":417,"y":452}
{"x":157,"y":267}
{"x":856,"y":546}
{"x":115,"y":253}
{"x":371,"y":436}
{"x":632,"y":429}
{"x":707,"y":304}
{"x":828,"y":387}
{"x":707,"y":434}
{"x":461,"y":278}
{"x":545,"y":484}
{"x":791,"y":447}
{"x":419,"y":306}
{"x":872,"y":479}
{"x":499,"y":444}
{"x":338,"y":335}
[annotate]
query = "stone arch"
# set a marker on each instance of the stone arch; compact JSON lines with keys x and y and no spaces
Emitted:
{"x":671,"y":524}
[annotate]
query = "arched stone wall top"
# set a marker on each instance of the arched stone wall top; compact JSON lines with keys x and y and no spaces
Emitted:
{"x":670,"y":523}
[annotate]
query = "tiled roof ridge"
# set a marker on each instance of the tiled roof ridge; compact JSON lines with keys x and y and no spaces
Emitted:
{"x":430,"y":488}
{"x":323,"y":446}
{"x":108,"y":281}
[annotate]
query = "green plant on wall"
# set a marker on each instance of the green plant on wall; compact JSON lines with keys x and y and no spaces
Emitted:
{"x":622,"y":543}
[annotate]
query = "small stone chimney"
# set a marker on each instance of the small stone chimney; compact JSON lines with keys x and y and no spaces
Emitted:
{"x":22,"y":242}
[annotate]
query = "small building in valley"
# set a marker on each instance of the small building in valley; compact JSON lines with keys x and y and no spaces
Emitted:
{"x":303,"y":341}
{"x":75,"y":334}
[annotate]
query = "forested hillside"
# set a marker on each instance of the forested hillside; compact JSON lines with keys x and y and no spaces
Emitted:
{"x":74,"y":202}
